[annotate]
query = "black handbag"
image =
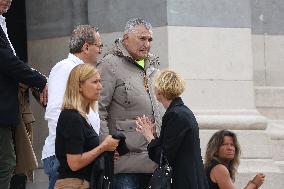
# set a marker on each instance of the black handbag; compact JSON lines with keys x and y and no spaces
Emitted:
{"x":162,"y":176}
{"x":101,"y":177}
{"x":103,"y":166}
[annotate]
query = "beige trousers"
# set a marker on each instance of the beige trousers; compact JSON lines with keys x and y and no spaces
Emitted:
{"x":71,"y":183}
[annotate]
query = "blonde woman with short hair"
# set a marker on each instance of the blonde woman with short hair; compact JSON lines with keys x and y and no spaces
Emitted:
{"x":77,"y":144}
{"x":179,"y":137}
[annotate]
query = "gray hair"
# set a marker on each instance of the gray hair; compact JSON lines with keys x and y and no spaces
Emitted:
{"x":81,"y":34}
{"x":134,"y":22}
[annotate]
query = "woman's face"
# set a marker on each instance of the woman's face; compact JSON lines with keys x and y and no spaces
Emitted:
{"x":91,"y":88}
{"x":226,"y":151}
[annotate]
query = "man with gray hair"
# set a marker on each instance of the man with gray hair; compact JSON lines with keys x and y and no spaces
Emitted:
{"x":84,"y":46}
{"x":127,"y":74}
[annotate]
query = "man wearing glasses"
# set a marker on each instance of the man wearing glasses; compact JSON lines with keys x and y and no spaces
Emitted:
{"x":85,"y":45}
{"x":127,"y":74}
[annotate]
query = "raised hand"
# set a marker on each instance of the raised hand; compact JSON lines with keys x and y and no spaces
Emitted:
{"x":145,"y":126}
{"x":258,"y":179}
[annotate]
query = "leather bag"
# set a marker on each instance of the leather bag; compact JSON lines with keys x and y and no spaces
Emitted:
{"x":162,"y":176}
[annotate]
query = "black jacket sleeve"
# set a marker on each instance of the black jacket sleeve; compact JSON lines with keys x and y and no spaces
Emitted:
{"x":13,"y":67}
{"x":154,"y":150}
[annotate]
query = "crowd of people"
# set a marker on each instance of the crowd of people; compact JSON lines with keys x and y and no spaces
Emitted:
{"x":116,"y":116}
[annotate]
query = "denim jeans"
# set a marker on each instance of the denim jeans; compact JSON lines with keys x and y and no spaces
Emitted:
{"x":131,"y":180}
{"x":51,"y":165}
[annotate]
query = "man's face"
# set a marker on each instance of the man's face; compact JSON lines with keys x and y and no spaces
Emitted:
{"x":138,"y":42}
{"x":4,"y":6}
{"x":94,"y":49}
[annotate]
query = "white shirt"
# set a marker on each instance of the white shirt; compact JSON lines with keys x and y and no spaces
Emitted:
{"x":57,"y":82}
{"x":4,"y":27}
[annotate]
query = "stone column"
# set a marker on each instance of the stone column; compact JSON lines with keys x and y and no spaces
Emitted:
{"x":268,"y":50}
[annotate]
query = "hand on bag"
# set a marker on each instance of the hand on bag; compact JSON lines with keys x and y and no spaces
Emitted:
{"x":109,"y":143}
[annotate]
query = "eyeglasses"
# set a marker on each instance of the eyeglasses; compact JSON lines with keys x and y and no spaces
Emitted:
{"x":100,"y":46}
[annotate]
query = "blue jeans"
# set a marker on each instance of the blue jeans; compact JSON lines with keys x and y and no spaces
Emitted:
{"x":51,"y":165}
{"x":131,"y":180}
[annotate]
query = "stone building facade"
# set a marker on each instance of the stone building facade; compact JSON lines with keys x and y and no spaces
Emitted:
{"x":231,"y":54}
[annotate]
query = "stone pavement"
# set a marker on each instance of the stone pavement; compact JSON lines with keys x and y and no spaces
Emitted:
{"x":41,"y":181}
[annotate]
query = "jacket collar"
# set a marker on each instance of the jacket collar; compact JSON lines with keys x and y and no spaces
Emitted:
{"x":176,"y":102}
{"x":75,"y":59}
{"x":121,"y":50}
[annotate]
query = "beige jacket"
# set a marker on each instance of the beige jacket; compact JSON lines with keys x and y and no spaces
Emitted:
{"x":26,"y":160}
{"x":128,"y":92}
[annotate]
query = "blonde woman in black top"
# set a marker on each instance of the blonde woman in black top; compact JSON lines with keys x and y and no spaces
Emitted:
{"x":222,"y":159}
{"x":77,"y":143}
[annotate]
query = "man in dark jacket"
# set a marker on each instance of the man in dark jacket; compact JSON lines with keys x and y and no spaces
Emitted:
{"x":12,"y":72}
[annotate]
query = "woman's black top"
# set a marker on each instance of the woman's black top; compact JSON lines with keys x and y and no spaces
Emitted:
{"x":73,"y":136}
{"x":212,"y":185}
{"x":179,"y":139}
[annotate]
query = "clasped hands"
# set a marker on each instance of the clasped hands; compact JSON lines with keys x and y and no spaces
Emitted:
{"x":146,"y":127}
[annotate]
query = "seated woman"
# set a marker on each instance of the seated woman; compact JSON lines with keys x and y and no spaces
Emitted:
{"x":179,"y":137}
{"x":77,"y":144}
{"x":221,"y":162}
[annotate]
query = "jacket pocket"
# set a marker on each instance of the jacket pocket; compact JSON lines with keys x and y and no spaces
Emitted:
{"x":134,"y":140}
{"x":121,"y":95}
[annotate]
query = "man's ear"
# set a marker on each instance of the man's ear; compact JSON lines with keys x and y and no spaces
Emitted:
{"x":85,"y":47}
{"x":125,"y":36}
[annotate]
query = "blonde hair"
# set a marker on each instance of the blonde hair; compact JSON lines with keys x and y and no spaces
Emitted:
{"x":169,"y":84}
{"x":72,"y":97}
{"x":213,"y":146}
